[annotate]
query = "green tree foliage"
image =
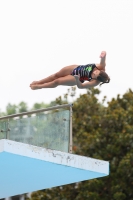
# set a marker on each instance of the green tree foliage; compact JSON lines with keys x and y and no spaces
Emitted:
{"x":14,"y":109}
{"x":11,"y":109}
{"x":22,"y":107}
{"x":101,"y":132}
{"x":41,"y":105}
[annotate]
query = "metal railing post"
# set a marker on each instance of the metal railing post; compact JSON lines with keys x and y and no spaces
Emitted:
{"x":70,"y":139}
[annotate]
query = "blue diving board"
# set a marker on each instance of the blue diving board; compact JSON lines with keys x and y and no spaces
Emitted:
{"x":26,"y":168}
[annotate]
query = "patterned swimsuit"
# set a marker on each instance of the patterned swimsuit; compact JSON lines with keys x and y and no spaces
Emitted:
{"x":84,"y":71}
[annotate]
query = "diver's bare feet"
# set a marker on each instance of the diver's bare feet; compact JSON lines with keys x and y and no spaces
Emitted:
{"x":103,"y":54}
{"x":35,"y":83}
{"x":35,"y":87}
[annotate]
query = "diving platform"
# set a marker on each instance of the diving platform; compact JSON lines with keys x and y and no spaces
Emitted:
{"x":26,"y":168}
{"x":36,"y":152}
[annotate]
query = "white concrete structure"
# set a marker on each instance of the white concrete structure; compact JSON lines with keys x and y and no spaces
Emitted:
{"x":25,"y":168}
{"x":20,"y":197}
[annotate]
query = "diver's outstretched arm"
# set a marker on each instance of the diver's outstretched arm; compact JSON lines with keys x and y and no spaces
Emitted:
{"x":103,"y":58}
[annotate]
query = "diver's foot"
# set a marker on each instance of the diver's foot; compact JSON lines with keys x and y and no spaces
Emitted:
{"x":35,"y":87}
{"x":34,"y":83}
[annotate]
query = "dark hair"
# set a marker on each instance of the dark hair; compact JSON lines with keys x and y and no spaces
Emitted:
{"x":103,"y":77}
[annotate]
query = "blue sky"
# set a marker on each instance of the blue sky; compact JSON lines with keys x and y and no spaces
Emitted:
{"x":38,"y":38}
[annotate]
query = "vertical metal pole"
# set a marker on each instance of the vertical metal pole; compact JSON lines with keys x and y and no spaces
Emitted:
{"x":70,"y":139}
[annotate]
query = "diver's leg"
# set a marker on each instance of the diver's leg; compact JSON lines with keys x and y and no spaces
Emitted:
{"x":68,"y":80}
{"x":63,"y":72}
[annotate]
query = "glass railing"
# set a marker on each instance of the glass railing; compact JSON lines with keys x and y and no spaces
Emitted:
{"x":49,"y":128}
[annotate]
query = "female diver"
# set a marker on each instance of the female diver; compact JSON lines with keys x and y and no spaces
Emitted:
{"x":84,"y":76}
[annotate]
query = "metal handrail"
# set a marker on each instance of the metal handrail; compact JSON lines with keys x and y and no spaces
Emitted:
{"x":36,"y":111}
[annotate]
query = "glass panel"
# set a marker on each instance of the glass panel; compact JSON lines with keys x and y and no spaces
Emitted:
{"x":47,"y":129}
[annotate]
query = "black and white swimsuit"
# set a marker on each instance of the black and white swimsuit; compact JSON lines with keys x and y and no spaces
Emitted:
{"x":84,"y":71}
